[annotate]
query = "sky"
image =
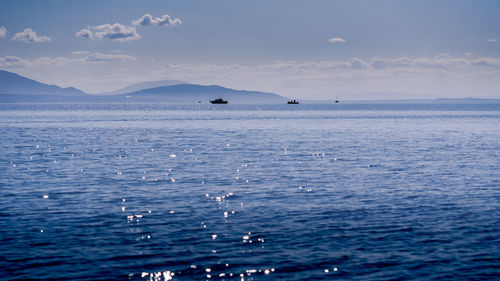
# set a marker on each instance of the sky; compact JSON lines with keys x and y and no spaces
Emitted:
{"x":310,"y":49}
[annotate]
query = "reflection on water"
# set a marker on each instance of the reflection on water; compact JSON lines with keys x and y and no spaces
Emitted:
{"x":249,"y":193}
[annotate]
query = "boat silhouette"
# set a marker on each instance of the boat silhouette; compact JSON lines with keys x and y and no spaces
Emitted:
{"x":292,"y":102}
{"x":218,"y":101}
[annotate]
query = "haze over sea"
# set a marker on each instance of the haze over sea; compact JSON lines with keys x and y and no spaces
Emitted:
{"x":286,"y":192}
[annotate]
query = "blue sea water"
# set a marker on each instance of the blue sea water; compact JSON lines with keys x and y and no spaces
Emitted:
{"x":292,"y":192}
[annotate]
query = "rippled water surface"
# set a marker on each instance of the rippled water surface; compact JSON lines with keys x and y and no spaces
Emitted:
{"x":359,"y":192}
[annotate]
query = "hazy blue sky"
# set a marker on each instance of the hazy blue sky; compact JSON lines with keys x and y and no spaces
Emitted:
{"x":302,"y":49}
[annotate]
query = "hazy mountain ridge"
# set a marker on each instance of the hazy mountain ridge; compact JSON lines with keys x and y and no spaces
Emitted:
{"x":16,"y":88}
{"x":193,"y":93}
{"x":143,"y":85}
{"x":14,"y":84}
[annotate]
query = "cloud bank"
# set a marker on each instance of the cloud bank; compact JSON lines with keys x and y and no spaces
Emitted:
{"x":116,"y":32}
{"x":164,"y":20}
{"x":3,"y":32}
{"x":355,"y":78}
{"x":30,"y":36}
{"x":101,"y":58}
{"x":83,"y":57}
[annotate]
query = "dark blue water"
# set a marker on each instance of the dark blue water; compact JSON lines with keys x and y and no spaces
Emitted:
{"x":154,"y":192}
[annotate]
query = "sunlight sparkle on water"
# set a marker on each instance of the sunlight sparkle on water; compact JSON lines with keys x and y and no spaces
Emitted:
{"x":286,"y":203}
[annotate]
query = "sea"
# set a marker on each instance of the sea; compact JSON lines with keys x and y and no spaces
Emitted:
{"x":348,"y":191}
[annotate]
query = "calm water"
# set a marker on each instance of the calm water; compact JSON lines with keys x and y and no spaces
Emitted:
{"x":347,"y":191}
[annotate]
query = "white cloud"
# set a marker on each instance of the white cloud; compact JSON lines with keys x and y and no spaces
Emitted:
{"x":101,"y":58}
{"x":164,"y":20}
{"x":356,"y":63}
{"x":30,"y":36}
{"x":80,"y":52}
{"x":115,"y":32}
{"x":85,"y":33}
{"x":11,"y":61}
{"x":3,"y":32}
{"x":336,"y":40}
{"x":491,"y":40}
{"x":48,"y":61}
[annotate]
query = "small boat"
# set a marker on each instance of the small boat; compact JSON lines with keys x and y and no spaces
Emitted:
{"x":292,"y":102}
{"x":218,"y":101}
{"x":336,"y":100}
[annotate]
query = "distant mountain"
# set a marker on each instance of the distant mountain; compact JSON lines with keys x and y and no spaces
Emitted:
{"x":192,"y":93}
{"x":16,"y":88}
{"x":144,"y":85}
{"x":14,"y":84}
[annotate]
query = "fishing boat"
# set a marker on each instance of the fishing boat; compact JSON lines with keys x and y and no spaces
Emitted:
{"x":292,"y":102}
{"x":218,"y":101}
